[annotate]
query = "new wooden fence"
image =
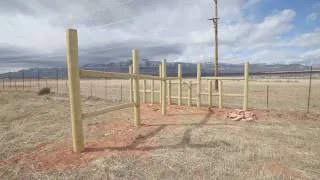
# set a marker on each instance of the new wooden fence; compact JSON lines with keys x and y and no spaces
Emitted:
{"x":74,"y":74}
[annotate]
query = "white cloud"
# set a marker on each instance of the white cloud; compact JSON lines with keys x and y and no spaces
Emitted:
{"x":312,"y":17}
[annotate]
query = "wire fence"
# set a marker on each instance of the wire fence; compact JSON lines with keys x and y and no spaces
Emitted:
{"x":283,"y":91}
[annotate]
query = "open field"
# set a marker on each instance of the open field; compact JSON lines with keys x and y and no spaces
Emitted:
{"x":189,"y":143}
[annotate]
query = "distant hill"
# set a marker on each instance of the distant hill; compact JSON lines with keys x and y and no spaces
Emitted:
{"x":152,"y":67}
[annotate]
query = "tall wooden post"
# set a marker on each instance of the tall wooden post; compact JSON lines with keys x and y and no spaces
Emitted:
{"x":144,"y":97}
{"x":131,"y":85}
{"x":160,"y":75}
{"x":164,"y":87}
{"x":189,"y":93}
{"x":199,"y":85}
{"x":179,"y":85}
{"x":152,"y":91}
{"x":74,"y":90}
{"x":246,"y":84}
{"x":169,"y":92}
{"x":220,"y":94}
{"x":135,"y":72}
{"x":210,"y":93}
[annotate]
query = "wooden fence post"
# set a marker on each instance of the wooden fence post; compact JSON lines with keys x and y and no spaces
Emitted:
{"x":169,"y":92}
{"x":152,"y":91}
{"x":220,"y":94}
{"x":179,"y":85}
{"x":246,"y":83}
{"x":189,"y":93}
{"x":199,"y":67}
{"x":135,"y":72}
{"x":210,"y":93}
{"x":2,"y":84}
{"x":160,"y":75}
{"x":74,"y":92}
{"x":105,"y":89}
{"x":144,"y":97}
{"x":131,"y":85}
{"x":164,"y":87}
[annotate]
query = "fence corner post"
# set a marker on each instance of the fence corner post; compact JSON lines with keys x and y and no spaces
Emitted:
{"x":160,"y":91}
{"x":135,"y":71}
{"x":180,"y":84}
{"x":74,"y":92}
{"x":246,"y":84}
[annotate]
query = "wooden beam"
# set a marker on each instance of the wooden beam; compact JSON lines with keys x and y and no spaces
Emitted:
{"x":103,"y":74}
{"x":74,"y":91}
{"x":106,"y":110}
{"x":179,"y":85}
{"x":222,"y":78}
{"x":135,"y":71}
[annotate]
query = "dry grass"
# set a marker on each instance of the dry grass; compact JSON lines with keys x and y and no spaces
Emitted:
{"x":189,"y":143}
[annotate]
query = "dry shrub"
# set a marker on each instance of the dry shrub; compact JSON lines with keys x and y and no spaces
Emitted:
{"x":44,"y":91}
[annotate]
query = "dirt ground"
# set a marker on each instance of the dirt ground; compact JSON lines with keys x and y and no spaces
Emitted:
{"x":188,"y":143}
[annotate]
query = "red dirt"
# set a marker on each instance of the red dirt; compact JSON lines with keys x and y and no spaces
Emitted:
{"x":114,"y":138}
{"x":282,"y":171}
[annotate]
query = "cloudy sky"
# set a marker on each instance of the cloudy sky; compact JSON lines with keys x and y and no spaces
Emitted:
{"x":32,"y":32}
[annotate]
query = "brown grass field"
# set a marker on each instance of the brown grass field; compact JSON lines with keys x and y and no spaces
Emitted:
{"x":188,"y":143}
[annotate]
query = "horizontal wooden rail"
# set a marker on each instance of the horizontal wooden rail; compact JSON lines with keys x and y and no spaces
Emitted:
{"x":102,"y":74}
{"x":149,"y":77}
{"x":233,"y":95}
{"x":223,"y":78}
{"x":106,"y":110}
{"x":213,"y":94}
{"x":172,"y":78}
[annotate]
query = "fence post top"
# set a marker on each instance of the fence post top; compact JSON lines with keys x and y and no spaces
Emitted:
{"x":72,"y":29}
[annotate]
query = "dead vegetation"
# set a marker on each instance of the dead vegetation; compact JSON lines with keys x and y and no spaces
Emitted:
{"x":189,"y":143}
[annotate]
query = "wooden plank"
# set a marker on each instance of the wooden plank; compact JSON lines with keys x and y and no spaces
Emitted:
{"x":149,"y":77}
{"x":74,"y":91}
{"x":135,"y":71}
{"x":106,"y":110}
{"x":103,"y":74}
{"x":222,"y":78}
{"x":180,"y":84}
{"x":233,"y":95}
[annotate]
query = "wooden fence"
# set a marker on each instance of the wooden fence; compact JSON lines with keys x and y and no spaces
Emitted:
{"x":74,"y":74}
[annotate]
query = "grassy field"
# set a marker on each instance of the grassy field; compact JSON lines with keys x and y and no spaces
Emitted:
{"x":189,"y":143}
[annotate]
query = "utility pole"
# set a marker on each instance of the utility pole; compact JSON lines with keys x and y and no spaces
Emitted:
{"x":215,"y":26}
